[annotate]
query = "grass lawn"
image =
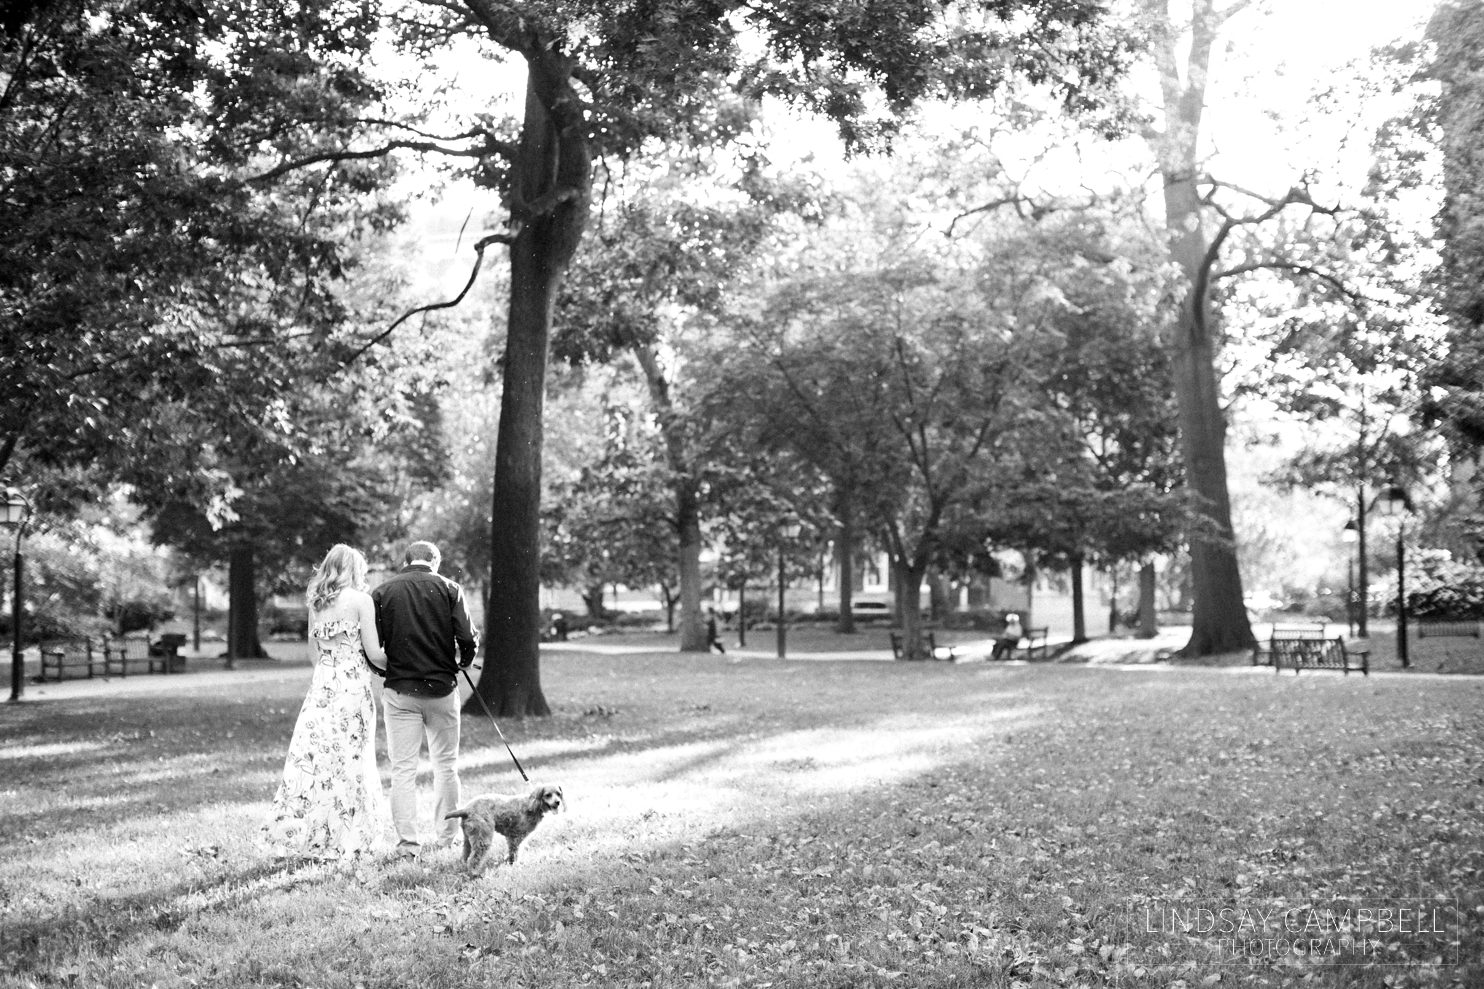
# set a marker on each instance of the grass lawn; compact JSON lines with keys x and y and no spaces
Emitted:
{"x":750,"y":822}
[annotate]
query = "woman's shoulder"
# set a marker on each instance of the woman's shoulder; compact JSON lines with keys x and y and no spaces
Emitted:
{"x":354,"y":596}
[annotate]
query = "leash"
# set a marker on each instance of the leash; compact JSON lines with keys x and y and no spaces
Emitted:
{"x":495,"y":723}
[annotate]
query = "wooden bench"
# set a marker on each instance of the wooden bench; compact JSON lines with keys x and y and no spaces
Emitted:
{"x":1436,"y":628}
{"x":932,"y":644}
{"x":1262,"y":653}
{"x":1033,"y":640}
{"x":166,"y":650}
{"x":64,"y":656}
{"x":1310,"y":648}
{"x":120,"y":654}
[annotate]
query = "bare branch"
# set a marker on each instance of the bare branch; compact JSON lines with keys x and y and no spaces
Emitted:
{"x":988,"y":207}
{"x":1222,"y":16}
{"x":468,"y":135}
{"x":426,"y":147}
{"x":506,"y":238}
{"x":1330,"y":279}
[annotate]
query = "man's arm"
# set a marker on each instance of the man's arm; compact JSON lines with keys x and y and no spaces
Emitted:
{"x":463,"y":627}
{"x":381,"y":630}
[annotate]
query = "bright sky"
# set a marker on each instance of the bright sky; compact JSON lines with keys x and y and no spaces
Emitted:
{"x":1274,"y":54}
{"x":1281,"y":51}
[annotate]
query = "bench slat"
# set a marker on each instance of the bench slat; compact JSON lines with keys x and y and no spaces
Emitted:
{"x":58,"y":657}
{"x":1306,"y":651}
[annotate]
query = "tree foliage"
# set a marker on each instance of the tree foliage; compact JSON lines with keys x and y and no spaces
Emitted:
{"x":148,"y":288}
{"x":1455,"y":120}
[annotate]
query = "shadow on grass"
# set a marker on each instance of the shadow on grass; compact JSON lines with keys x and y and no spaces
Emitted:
{"x":107,"y":921}
{"x":872,"y":815}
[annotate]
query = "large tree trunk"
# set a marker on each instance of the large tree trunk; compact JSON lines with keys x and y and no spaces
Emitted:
{"x":242,"y":607}
{"x":845,"y":562}
{"x":692,"y":622}
{"x":1148,"y":617}
{"x":592,"y":601}
{"x":742,"y":615}
{"x":1079,"y":603}
{"x":552,"y":184}
{"x":1220,"y":620}
{"x":909,"y":604}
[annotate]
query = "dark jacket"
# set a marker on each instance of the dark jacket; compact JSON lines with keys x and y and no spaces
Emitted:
{"x":424,"y":625}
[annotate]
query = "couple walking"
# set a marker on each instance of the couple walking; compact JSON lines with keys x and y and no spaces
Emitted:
{"x":414,"y":631}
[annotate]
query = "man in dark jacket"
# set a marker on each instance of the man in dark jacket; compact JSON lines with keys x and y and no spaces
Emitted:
{"x":424,"y":625}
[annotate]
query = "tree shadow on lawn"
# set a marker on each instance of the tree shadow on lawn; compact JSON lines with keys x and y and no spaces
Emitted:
{"x":1012,"y":791}
{"x":104,"y":922}
{"x":92,"y":820}
{"x":88,"y":764}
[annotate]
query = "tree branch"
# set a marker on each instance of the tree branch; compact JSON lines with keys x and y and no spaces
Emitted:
{"x":1335,"y":282}
{"x":506,"y":27}
{"x":425,"y":147}
{"x":506,"y":238}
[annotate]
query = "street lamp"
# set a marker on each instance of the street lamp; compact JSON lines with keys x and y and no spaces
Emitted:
{"x":1351,"y":534}
{"x":1394,"y":500}
{"x":15,"y":510}
{"x":788,"y":531}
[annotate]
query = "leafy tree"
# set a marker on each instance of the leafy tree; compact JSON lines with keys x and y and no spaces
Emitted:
{"x":1454,"y":119}
{"x":347,"y":462}
{"x":605,"y":82}
{"x":613,"y":523}
{"x":908,"y":381}
{"x":671,"y":236}
{"x":1219,"y":233}
{"x":146,"y":286}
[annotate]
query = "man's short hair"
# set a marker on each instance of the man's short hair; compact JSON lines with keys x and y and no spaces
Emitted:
{"x":422,"y":552}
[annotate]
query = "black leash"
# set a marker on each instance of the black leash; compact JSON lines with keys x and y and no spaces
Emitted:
{"x":496,"y":724}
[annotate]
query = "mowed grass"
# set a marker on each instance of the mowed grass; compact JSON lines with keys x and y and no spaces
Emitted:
{"x":789,"y":824}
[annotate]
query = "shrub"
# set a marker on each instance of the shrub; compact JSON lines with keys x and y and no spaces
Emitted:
{"x":287,"y":622}
{"x":138,"y":614}
{"x":1443,"y":588}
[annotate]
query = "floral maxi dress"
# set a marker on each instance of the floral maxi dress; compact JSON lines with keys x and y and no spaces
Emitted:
{"x":330,"y":804}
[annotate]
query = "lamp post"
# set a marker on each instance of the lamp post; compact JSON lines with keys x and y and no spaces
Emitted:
{"x":16,"y":511}
{"x":788,"y":531}
{"x":1393,"y":499}
{"x":1350,"y":534}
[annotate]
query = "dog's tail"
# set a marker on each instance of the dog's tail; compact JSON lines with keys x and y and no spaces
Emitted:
{"x":461,"y":812}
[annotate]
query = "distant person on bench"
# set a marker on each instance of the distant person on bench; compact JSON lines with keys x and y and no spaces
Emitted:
{"x":1009,"y":639}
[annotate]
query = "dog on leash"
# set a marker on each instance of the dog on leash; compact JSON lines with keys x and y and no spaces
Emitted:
{"x":512,"y":817}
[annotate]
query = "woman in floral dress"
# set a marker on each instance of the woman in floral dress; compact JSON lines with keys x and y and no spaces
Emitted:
{"x":330,"y":804}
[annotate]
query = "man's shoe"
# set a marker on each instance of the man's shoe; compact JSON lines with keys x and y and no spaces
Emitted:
{"x":408,"y":850}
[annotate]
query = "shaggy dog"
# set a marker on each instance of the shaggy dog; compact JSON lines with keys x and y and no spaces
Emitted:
{"x":512,"y":817}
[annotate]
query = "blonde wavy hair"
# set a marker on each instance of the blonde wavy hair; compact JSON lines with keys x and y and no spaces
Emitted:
{"x":342,"y":567}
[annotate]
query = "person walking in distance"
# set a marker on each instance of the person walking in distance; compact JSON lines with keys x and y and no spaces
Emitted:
{"x":424,"y":625}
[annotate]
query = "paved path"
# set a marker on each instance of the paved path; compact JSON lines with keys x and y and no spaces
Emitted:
{"x":1119,"y":654}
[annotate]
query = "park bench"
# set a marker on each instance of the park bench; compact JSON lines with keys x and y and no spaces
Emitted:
{"x":1033,"y":640}
{"x":932,"y":644}
{"x":1262,"y":653}
{"x":1032,"y":643}
{"x":1310,"y":647}
{"x":61,"y":658}
{"x":1437,"y":628}
{"x":120,"y":655}
{"x":166,"y":651}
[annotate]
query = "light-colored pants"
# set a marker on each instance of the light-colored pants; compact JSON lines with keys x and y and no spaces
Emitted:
{"x":409,"y":719}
